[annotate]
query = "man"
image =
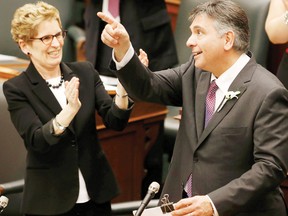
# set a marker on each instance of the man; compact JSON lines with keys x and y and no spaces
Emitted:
{"x":233,"y":163}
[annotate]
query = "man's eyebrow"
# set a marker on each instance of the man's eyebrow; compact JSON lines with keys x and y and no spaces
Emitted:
{"x":196,"y":26}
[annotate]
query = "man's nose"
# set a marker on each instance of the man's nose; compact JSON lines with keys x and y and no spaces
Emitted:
{"x":191,"y":41}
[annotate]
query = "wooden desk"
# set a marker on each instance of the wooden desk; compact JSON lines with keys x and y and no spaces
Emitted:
{"x":7,"y":73}
{"x":126,"y":150}
{"x":11,"y":68}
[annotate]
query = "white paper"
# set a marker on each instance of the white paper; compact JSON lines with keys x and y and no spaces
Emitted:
{"x":110,"y":87}
{"x":156,"y":211}
{"x":111,"y":81}
{"x":7,"y":58}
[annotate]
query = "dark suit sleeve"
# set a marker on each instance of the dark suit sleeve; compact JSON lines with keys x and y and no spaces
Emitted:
{"x":26,"y":121}
{"x":163,"y":87}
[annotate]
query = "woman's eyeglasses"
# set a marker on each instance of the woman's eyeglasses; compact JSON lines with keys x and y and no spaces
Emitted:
{"x":47,"y":39}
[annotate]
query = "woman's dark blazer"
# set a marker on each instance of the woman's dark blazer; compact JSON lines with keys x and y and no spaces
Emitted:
{"x":51,"y":181}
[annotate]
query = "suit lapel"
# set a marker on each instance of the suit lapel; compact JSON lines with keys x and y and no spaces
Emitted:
{"x":42,"y":91}
{"x":219,"y":115}
{"x":200,"y":98}
{"x":239,"y":84}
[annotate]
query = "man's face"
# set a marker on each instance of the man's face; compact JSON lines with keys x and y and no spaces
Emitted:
{"x":206,"y":44}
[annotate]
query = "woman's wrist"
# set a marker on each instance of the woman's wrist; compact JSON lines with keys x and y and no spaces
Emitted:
{"x":56,"y":129}
{"x":121,"y":95}
{"x":59,"y":125}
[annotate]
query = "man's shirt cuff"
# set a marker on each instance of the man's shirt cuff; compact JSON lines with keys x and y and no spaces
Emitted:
{"x":128,"y":56}
{"x":215,"y":212}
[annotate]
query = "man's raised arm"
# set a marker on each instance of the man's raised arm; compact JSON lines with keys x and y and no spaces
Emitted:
{"x":115,"y":36}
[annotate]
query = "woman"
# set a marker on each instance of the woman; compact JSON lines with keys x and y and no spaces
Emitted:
{"x":52,"y":105}
{"x":277,"y":30}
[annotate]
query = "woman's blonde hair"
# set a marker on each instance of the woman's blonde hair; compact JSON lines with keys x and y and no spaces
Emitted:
{"x":29,"y":16}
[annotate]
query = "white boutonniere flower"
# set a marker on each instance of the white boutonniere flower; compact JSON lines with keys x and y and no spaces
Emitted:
{"x":229,"y":96}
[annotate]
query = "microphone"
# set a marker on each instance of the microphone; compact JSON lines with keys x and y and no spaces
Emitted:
{"x":3,"y":203}
{"x":152,"y":190}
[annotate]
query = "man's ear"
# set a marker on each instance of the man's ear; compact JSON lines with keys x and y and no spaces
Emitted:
{"x":23,"y":46}
{"x":229,"y":38}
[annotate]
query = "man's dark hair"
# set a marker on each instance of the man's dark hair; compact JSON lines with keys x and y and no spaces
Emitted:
{"x":228,"y":16}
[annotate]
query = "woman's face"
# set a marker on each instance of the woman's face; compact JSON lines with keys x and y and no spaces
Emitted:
{"x":44,"y":53}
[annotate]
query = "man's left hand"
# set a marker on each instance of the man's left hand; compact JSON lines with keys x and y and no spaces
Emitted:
{"x":194,"y":206}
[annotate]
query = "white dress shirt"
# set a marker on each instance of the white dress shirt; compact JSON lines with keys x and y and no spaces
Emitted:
{"x":59,"y":93}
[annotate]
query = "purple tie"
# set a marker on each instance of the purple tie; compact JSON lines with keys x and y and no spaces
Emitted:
{"x":188,"y":186}
{"x":113,"y":7}
{"x":210,"y":106}
{"x":210,"y":101}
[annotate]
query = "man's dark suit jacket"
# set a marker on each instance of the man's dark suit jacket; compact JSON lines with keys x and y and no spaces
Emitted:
{"x":51,"y":181}
{"x":240,"y":158}
{"x":148,"y":24}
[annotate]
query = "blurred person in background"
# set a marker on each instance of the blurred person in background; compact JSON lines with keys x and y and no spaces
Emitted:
{"x":148,"y":24}
{"x":277,"y":30}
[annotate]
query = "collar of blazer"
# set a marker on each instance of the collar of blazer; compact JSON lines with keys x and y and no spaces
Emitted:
{"x":239,"y":84}
{"x":40,"y":88}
